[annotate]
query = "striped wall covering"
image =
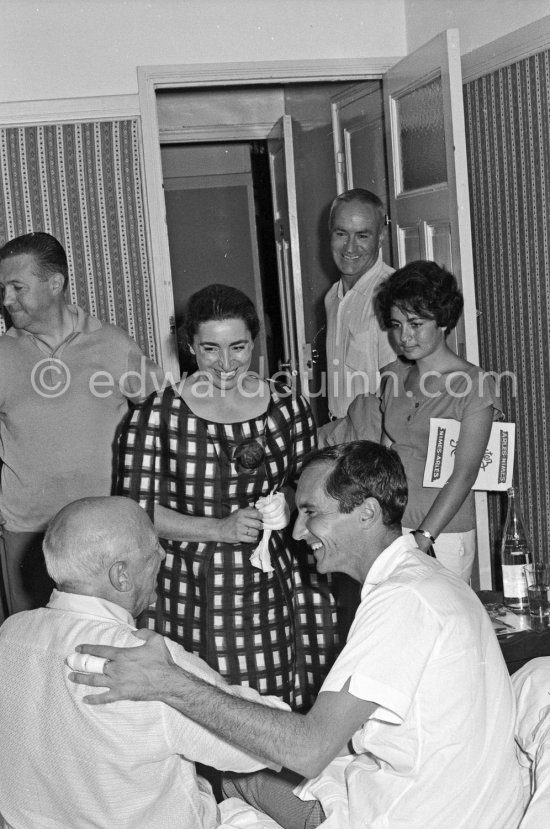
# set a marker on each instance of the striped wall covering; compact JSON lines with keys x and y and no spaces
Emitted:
{"x":508,"y":134}
{"x":82,"y":183}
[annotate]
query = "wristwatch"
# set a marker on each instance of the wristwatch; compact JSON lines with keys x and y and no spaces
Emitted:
{"x":425,"y":533}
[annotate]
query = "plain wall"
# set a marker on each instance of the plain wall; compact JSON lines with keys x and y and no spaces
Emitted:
{"x":478,"y":21}
{"x":80,"y":48}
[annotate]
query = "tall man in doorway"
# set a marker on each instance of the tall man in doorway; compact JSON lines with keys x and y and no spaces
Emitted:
{"x":65,"y":382}
{"x":356,"y":345}
{"x":414,"y":724}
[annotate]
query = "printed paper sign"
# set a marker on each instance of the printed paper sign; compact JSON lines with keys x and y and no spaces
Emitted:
{"x":497,"y":465}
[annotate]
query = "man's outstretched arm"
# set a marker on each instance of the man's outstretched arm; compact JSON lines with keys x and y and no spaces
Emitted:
{"x":303,"y":743}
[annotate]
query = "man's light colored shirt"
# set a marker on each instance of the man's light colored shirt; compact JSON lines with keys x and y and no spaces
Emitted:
{"x":59,"y":411}
{"x":356,"y":345}
{"x":438,"y":751}
{"x":68,"y":765}
{"x":532,"y":688}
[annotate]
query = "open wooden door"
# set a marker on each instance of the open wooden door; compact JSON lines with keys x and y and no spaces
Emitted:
{"x":294,"y":349}
{"x":360,"y":143}
{"x":429,"y":198}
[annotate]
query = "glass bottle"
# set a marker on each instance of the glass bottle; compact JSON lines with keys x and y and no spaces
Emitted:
{"x":515,"y":553}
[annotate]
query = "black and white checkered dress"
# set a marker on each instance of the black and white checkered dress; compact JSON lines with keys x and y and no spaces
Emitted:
{"x":273,"y":631}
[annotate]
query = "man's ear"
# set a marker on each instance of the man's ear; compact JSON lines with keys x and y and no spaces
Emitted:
{"x":57,"y":282}
{"x":370,"y":512}
{"x":119,"y":576}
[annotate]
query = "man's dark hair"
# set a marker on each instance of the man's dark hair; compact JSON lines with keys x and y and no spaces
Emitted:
{"x":358,"y":194}
{"x":218,"y":302}
{"x":364,"y":469}
{"x":48,"y":253}
{"x":424,"y":288}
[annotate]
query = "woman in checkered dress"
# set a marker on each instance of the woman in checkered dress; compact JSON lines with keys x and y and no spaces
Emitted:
{"x":197,"y":458}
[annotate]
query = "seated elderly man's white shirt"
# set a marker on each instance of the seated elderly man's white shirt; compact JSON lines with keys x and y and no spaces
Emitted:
{"x":438,"y":751}
{"x":532,"y":688}
{"x":125,"y":765}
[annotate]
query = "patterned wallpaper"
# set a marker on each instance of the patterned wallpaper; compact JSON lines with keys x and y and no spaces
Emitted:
{"x":508,"y":134}
{"x":82,"y":183}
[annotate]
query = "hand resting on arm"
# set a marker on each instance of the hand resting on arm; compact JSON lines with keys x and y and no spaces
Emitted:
{"x":302,"y":743}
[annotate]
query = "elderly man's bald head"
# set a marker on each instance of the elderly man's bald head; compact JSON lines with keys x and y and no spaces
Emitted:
{"x":86,"y":537}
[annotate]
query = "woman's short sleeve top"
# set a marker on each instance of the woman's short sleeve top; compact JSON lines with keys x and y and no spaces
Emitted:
{"x":406,"y":424}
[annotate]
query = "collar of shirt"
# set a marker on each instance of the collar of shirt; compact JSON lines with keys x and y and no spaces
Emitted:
{"x":85,"y":324}
{"x":388,"y":560}
{"x":364,"y":283}
{"x":90,"y":606}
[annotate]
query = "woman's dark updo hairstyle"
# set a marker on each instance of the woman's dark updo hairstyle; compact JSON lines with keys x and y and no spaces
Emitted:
{"x":218,"y":302}
{"x":424,"y":288}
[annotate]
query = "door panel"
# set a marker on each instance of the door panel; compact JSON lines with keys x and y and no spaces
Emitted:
{"x":294,"y":360}
{"x":360,"y":143}
{"x":438,"y":243}
{"x":428,"y":174}
{"x":429,"y":199}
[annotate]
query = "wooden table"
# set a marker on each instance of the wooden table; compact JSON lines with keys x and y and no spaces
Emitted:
{"x":519,"y":648}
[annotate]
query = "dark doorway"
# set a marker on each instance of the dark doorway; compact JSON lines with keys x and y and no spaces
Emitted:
{"x":220,"y":229}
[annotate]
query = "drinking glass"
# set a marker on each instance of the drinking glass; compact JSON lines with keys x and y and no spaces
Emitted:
{"x":537,"y":576}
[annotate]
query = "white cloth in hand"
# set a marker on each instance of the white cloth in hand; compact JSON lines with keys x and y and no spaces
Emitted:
{"x":275,"y":516}
{"x":274,"y":510}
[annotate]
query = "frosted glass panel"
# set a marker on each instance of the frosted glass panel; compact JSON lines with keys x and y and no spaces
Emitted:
{"x":422,"y":137}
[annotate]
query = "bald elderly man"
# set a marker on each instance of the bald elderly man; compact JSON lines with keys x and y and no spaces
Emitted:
{"x":65,"y":764}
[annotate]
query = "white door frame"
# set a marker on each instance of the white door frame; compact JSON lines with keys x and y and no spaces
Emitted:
{"x":151,"y":78}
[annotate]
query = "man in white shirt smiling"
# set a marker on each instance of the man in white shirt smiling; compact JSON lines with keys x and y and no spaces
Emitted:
{"x":414,"y":724}
{"x":64,"y":764}
{"x":356,"y":345}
